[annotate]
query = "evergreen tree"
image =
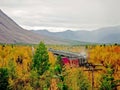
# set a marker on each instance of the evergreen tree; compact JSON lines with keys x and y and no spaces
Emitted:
{"x":59,"y":73}
{"x":41,"y":59}
{"x":4,"y":76}
{"x":107,"y":80}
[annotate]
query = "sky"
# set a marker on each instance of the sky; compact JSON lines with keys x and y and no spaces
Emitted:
{"x":60,"y":15}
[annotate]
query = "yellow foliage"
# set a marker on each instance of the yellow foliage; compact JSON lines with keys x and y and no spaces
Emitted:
{"x":96,"y":54}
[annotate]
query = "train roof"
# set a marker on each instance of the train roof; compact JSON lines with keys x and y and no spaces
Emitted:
{"x":67,"y":54}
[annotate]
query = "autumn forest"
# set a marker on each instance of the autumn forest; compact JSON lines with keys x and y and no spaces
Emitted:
{"x":34,"y":67}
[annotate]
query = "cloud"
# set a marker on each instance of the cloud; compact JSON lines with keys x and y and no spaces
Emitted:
{"x":63,"y":14}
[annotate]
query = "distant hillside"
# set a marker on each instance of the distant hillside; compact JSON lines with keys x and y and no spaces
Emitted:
{"x":103,"y":35}
{"x":10,"y":32}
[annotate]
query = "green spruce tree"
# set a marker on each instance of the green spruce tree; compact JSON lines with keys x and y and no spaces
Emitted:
{"x":40,"y":61}
{"x":4,"y":77}
{"x":107,"y":81}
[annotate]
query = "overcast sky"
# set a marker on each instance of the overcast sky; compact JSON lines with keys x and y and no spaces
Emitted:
{"x":59,"y":15}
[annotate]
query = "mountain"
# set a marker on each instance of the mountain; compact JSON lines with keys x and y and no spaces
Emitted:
{"x":10,"y":32}
{"x":102,"y":35}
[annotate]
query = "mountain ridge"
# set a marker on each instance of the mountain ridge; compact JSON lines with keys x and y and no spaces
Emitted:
{"x":102,"y":35}
{"x":11,"y":32}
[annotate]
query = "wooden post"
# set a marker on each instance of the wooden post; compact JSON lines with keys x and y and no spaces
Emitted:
{"x":92,"y":69}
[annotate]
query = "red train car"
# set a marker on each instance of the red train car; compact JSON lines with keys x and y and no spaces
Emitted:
{"x":73,"y":62}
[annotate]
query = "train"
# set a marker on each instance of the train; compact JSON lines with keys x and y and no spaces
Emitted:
{"x":74,"y":59}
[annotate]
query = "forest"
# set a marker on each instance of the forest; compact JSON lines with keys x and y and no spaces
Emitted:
{"x":34,"y":67}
